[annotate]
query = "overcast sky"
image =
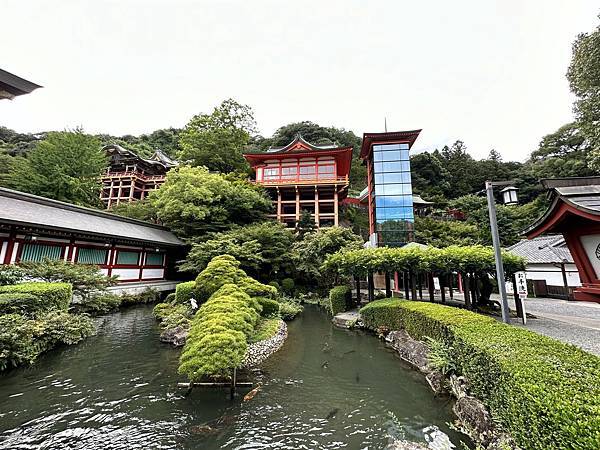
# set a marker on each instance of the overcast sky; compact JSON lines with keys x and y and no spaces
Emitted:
{"x":491,"y":73}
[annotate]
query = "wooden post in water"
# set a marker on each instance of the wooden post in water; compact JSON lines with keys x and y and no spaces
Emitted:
{"x":233,"y":382}
{"x":388,"y":285}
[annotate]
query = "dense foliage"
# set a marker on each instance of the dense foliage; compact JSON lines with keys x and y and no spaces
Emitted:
{"x":309,"y":253}
{"x":65,"y":166}
{"x":261,"y":248}
{"x":543,"y":392}
{"x":23,"y":339}
{"x":193,"y":201}
{"x":584,"y":80}
{"x":216,"y":140}
{"x":339,"y":299}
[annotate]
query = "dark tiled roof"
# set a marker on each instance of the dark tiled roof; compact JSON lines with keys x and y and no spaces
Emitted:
{"x":19,"y":208}
{"x":549,"y":249}
{"x":16,"y":85}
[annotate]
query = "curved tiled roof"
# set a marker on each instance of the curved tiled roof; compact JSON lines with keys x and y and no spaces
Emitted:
{"x":550,"y":249}
{"x":19,"y":208}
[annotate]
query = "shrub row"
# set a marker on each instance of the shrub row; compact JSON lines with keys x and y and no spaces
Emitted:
{"x":340,"y":298}
{"x":22,"y":339}
{"x":33,"y":298}
{"x":468,"y":259}
{"x":545,"y":393}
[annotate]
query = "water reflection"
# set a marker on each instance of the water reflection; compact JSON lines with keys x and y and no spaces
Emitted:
{"x":325,"y":389}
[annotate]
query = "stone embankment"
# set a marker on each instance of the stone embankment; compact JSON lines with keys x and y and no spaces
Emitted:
{"x":473,"y":416}
{"x":261,"y":350}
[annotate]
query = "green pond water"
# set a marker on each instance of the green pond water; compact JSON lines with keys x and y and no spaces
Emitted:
{"x":326,"y":388}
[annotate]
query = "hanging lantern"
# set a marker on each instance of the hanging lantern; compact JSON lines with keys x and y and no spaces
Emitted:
{"x":509,"y":195}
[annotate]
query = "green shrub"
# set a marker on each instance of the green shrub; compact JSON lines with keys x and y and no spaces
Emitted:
{"x":16,"y":341}
{"x":11,"y":274}
{"x":172,"y":315}
{"x":22,"y":340}
{"x":265,"y":329}
{"x":170,"y":298}
{"x":86,"y":279}
{"x":546,"y":394}
{"x":269,"y":307}
{"x":339,"y":299}
{"x":275,"y":284}
{"x":19,"y":303}
{"x":289,"y":310}
{"x":49,"y":296}
{"x":287,"y":285}
{"x":256,"y":289}
{"x":97,"y":304}
{"x":184,"y":292}
{"x":220,"y":270}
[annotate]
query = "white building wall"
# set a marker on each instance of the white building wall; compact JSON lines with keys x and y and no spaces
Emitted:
{"x":553,"y":275}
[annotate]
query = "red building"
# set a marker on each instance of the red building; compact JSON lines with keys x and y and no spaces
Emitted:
{"x":130,"y":177}
{"x":575,"y":213}
{"x":304,"y":177}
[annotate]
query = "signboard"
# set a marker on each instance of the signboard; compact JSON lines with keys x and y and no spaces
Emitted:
{"x":521,"y":284}
{"x":436,"y":283}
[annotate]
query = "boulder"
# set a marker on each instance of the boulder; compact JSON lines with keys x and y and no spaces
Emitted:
{"x":413,"y":351}
{"x":175,"y":336}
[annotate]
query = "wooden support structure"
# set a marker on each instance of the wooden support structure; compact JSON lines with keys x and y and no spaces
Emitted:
{"x":357,"y":283}
{"x":388,"y":285}
{"x":406,"y":287}
{"x":518,"y":303}
{"x":467,"y":289}
{"x":420,"y":282}
{"x":371,"y":285}
{"x":413,"y":285}
{"x":442,"y":288}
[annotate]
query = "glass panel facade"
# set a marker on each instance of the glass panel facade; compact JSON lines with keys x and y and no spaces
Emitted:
{"x":39,"y":252}
{"x":91,"y":255}
{"x":128,"y":258}
{"x":155,"y":259}
{"x":392,"y":200}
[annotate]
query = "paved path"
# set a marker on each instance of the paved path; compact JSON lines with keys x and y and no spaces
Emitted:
{"x":576,"y":323}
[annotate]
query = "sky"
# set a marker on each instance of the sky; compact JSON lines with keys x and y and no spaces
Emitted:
{"x":491,"y":73}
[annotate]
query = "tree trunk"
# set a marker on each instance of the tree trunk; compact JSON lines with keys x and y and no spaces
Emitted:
{"x":388,"y":285}
{"x":420,"y":281}
{"x":371,"y":287}
{"x":467,"y":290}
{"x":431,"y":287}
{"x":413,"y":286}
{"x":450,"y":282}
{"x":405,"y":282}
{"x":442,"y":288}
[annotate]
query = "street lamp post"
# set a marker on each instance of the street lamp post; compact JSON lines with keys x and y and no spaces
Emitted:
{"x":489,"y":188}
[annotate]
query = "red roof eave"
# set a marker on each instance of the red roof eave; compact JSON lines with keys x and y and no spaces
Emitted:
{"x":370,"y":139}
{"x":556,"y":214}
{"x":343,"y":155}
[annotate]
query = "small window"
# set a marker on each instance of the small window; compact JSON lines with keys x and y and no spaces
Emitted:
{"x":91,"y":255}
{"x":128,"y":258}
{"x":155,"y":259}
{"x":39,"y":252}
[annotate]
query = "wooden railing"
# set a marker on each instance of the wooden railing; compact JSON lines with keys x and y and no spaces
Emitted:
{"x":133,"y":174}
{"x":303,"y":180}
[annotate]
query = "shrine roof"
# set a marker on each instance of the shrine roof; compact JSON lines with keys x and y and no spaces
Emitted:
{"x":577,"y":196}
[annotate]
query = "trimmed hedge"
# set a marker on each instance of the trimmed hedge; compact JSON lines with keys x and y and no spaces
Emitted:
{"x":184,"y":292}
{"x":545,"y":393}
{"x":339,"y":299}
{"x":34,"y":298}
{"x":288,"y":285}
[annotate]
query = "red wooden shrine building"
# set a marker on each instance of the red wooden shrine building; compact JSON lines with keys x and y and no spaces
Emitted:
{"x":575,"y":213}
{"x":304,"y":177}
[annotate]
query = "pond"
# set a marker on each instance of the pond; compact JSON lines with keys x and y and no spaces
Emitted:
{"x":326,"y":388}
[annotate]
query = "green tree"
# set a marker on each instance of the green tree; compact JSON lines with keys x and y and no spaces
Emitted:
{"x":306,"y":224}
{"x":217,"y":140}
{"x":65,"y":166}
{"x":140,"y":210}
{"x":193,"y":201}
{"x":442,"y":233}
{"x":429,"y":177}
{"x":261,"y":248}
{"x":584,"y":80}
{"x":563,"y":153}
{"x":309,"y":254}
